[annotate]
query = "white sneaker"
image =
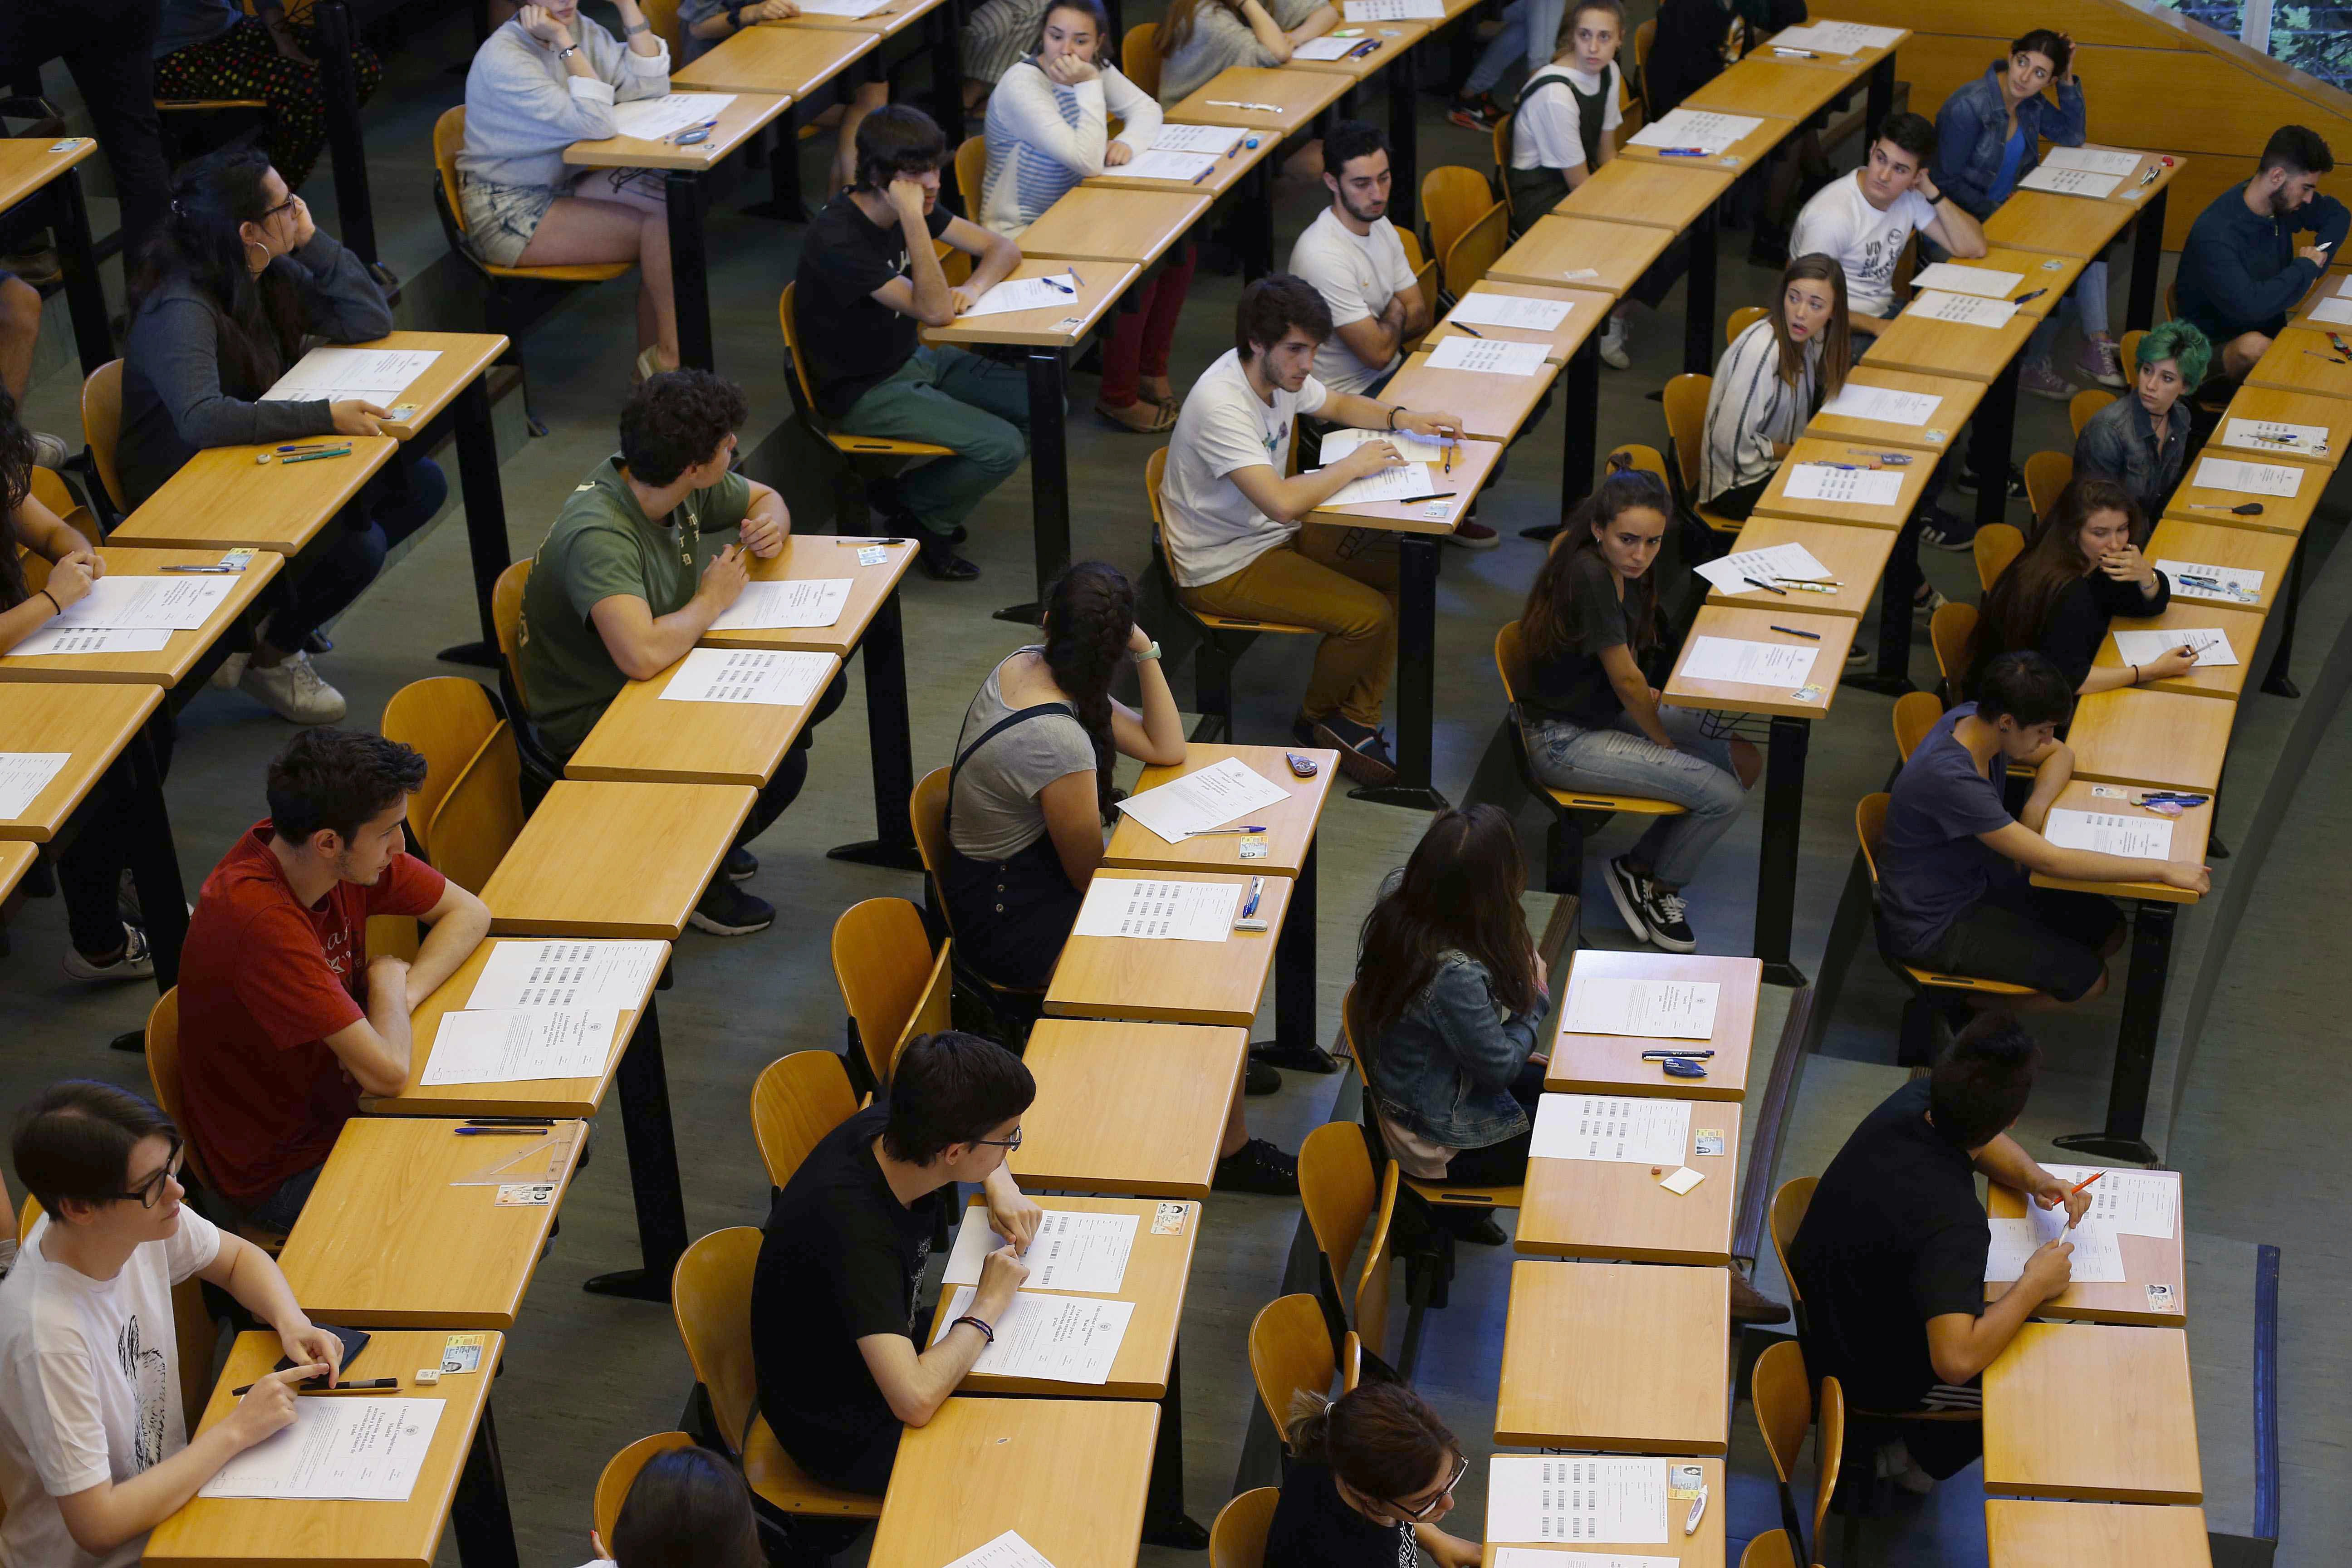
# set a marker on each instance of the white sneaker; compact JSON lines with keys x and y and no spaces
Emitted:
{"x":292,"y":689}
{"x":136,"y":963}
{"x":231,"y":671}
{"x":1613,"y":345}
{"x":48,"y":451}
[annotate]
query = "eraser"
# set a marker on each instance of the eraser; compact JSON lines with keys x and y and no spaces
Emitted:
{"x":1250,"y":924}
{"x":428,"y":1375}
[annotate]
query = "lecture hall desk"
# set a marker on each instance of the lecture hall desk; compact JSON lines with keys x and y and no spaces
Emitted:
{"x":1770,"y":130}
{"x":16,"y":859}
{"x":2091,"y":1413}
{"x":171,"y":666}
{"x":222,"y":498}
{"x":2057,"y":225}
{"x":44,"y":167}
{"x":1776,"y":502}
{"x":2156,"y":740}
{"x":2217,"y":544}
{"x":1913,"y":343}
{"x":644,"y":738}
{"x":1662,"y":195}
{"x":2022,"y":1533}
{"x":1172,"y":982}
{"x":1254,"y":97}
{"x":2267,"y":404}
{"x":1763,"y":84}
{"x":2045,"y":277}
{"x":982,"y":1467}
{"x":1581,"y":253}
{"x":1958,"y":403}
{"x":2243,"y":628}
{"x":2146,"y":1262}
{"x":1587,"y":308}
{"x":1127,"y":1108}
{"x":1619,"y":1357}
{"x":1856,"y":559}
{"x":1612,"y":1064}
{"x":939,"y":23}
{"x":2279,"y":514}
{"x":1236,"y":166}
{"x":793,"y":62}
{"x":2301,"y":359}
{"x":1703,"y":1549}
{"x":1617,"y":1209}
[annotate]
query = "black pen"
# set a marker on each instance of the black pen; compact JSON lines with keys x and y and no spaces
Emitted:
{"x":1461,"y":327}
{"x":470,"y":1131}
{"x":1809,"y":636}
{"x":374,"y":1383}
{"x":1755,"y":582}
{"x":1652,"y":1055}
{"x":2021,"y":299}
{"x":509,"y":1122}
{"x":1434,"y":495}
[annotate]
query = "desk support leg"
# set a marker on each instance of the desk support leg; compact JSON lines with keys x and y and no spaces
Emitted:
{"x":2276,"y":681}
{"x":1253,"y":221}
{"x":1878,"y":102}
{"x":155,"y":861}
{"x":1993,"y":432}
{"x":486,"y":517}
{"x":1405,"y":146}
{"x":1293,"y":1044}
{"x":1416,"y":679}
{"x":689,"y":266}
{"x":888,"y":744}
{"x":1698,"y":299}
{"x":2151,"y":958}
{"x":1049,"y":478}
{"x":2147,"y":252}
{"x":1580,"y":435}
{"x":1164,"y":1523}
{"x":946,"y":75}
{"x":85,"y":296}
{"x":354,"y":216}
{"x":478,"y":1514}
{"x":653,"y":1167}
{"x":1897,"y":585}
{"x":1776,"y":861}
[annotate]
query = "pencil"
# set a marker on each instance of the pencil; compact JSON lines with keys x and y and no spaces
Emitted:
{"x":1463,"y":327}
{"x":1809,"y":636}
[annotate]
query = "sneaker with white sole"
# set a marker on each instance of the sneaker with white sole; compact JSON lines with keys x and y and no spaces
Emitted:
{"x":1613,"y":345}
{"x":726,"y":909}
{"x":1929,"y":602}
{"x":1859,"y":657}
{"x":1630,"y":891}
{"x":1667,"y":914}
{"x":1471,"y":535}
{"x":135,"y":963}
{"x":293,"y":690}
{"x":49,"y":451}
{"x":2102,"y":359}
{"x":231,"y":671}
{"x":1945,"y":530}
{"x":2041,"y":379}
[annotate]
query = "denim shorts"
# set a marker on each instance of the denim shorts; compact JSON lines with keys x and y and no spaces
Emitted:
{"x":501,"y":219}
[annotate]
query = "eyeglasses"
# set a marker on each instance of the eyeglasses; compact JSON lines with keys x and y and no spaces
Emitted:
{"x":1007,"y":1145}
{"x":1461,"y":1468}
{"x":288,"y":206}
{"x":149,"y":1192}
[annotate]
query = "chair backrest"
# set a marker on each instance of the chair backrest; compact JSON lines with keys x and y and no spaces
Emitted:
{"x":882,"y":960}
{"x":2127,"y":353}
{"x":163,"y":1070}
{"x":2084,"y":404}
{"x":1742,"y":319}
{"x":1828,"y":1452}
{"x":1154,"y":466}
{"x":927,"y":814}
{"x":1948,"y":631}
{"x":1352,"y":1361}
{"x":1425,"y":277}
{"x":1869,"y":824}
{"x":505,"y":619}
{"x":446,"y":718}
{"x":1644,"y":36}
{"x":1648,"y":459}
{"x":1339,"y":1190}
{"x":802,"y":392}
{"x":1772,"y":1549}
{"x":795,"y":1101}
{"x":1453,"y":198}
{"x":448,"y":141}
{"x":1237,"y":1539}
{"x":1289,"y":1354}
{"x":1502,"y":179}
{"x":1796,"y":1195}
{"x":1685,"y":401}
{"x":662,"y":16}
{"x":1784,"y":1403}
{"x":935,"y":1008}
{"x":1916,"y":713}
{"x":971,"y":174}
{"x":621,"y":1469}
{"x":1371,"y":1304}
{"x":711,"y":1296}
{"x":101,"y":425}
{"x":1476,"y":249}
{"x":1138,"y":57}
{"x":2046,"y":473}
{"x":481,"y":816}
{"x":1510,"y":663}
{"x":1998,"y":544}
{"x":49,"y":489}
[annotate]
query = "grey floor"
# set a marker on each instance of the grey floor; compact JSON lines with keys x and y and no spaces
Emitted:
{"x":585,"y":1376}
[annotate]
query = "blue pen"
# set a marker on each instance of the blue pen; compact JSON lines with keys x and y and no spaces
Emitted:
{"x":1212,"y":832}
{"x":1682,"y":152}
{"x":1849,"y":467}
{"x":1258,"y":886}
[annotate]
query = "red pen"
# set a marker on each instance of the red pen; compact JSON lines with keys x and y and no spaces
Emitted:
{"x":2095,"y":1176}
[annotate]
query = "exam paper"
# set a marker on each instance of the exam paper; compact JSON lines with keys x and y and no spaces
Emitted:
{"x":24,"y":774}
{"x":2276,"y":434}
{"x":1743,"y":663}
{"x":1708,"y":131}
{"x":794,"y":602}
{"x":180,"y":603}
{"x":1618,"y":1128}
{"x":346,"y":1448}
{"x":1730,"y":574}
{"x":2231,"y":584}
{"x":1398,"y":483}
{"x":339,"y":375}
{"x":1521,"y":312}
{"x":2130,"y":1203}
{"x":1492,"y":355}
{"x":2097,"y":1259}
{"x":55,"y":639}
{"x":1963,"y":309}
{"x":651,"y":118}
{"x":1214,"y":796}
{"x":2110,"y":833}
{"x":1835,"y":38}
{"x":747,"y":675}
{"x":1051,"y":292}
{"x":1882,"y":405}
{"x":566,"y":971}
{"x":1848,"y":486}
{"x":2098,"y":160}
{"x":1161,"y":164}
{"x":1324,"y":48}
{"x":1534,"y":1557}
{"x":2066,"y":182}
{"x":1412,"y":448}
{"x":2335,"y":310}
{"x":1059,"y":1339}
{"x":1651,"y":1009}
{"x":517,"y":1044}
{"x":1086,"y":1253}
{"x":1574,"y":1500}
{"x":2250,"y":479}
{"x":1980,"y":280}
{"x":1395,"y":11}
{"x":1007,"y":1551}
{"x":1150,"y":911}
{"x":2211,"y":644}
{"x":1219,"y":140}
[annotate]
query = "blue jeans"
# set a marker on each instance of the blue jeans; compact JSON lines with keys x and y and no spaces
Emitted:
{"x":1695,"y":773}
{"x":976,"y":407}
{"x":401,"y":497}
{"x":2089,"y":300}
{"x":1530,"y":27}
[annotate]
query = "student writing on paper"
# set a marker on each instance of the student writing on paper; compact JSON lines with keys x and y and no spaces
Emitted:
{"x":1593,"y":721}
{"x":631,"y":576}
{"x":285,"y":1017}
{"x":1890,"y":1258}
{"x":1369,"y":1474}
{"x":2241,"y":269}
{"x":687,"y":1506}
{"x":94,"y":1449}
{"x":1770,"y":382}
{"x":1953,"y":890}
{"x":1864,"y":218}
{"x":222,"y":50}
{"x":235,"y":278}
{"x":2141,"y":439}
{"x":2058,"y":597}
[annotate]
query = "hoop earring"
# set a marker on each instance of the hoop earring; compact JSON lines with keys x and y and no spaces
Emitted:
{"x":266,"y":258}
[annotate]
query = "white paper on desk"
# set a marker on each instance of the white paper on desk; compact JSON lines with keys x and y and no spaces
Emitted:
{"x":2096,"y":160}
{"x":1391,"y":484}
{"x":2231,"y":584}
{"x":1744,"y":663}
{"x":1050,"y":293}
{"x":1225,"y":791}
{"x":1324,"y":48}
{"x":1412,"y":448}
{"x":1217,"y":139}
{"x":1547,"y":1557}
{"x":2097,"y":1259}
{"x":2335,"y":310}
{"x":1651,"y":1009}
{"x":1572,"y":1501}
{"x":1060,"y":1339}
{"x":1395,"y":11}
{"x":346,"y":1449}
{"x":337,"y":376}
{"x":1882,"y":405}
{"x":2072,"y":181}
{"x":782,"y":679}
{"x":842,"y":8}
{"x":1085,"y":1253}
{"x":1153,"y":911}
{"x":1963,"y":309}
{"x":1007,"y":1551}
{"x":55,"y":639}
{"x":1492,"y":355}
{"x":1521,"y":312}
{"x":1982,"y":281}
{"x":1772,"y":564}
{"x":1835,"y":38}
{"x":2129,"y":1202}
{"x":1848,"y":486}
{"x":24,"y":774}
{"x":517,"y":1044}
{"x":1622,"y":1128}
{"x":1703,"y":129}
{"x":1161,"y":164}
{"x":786,"y":602}
{"x":180,"y":603}
{"x":2210,"y":645}
{"x":2109,"y":833}
{"x":2248,"y":478}
{"x":651,"y":118}
{"x":566,"y":971}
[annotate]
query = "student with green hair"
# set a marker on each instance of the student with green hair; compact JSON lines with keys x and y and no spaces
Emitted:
{"x":2141,"y":439}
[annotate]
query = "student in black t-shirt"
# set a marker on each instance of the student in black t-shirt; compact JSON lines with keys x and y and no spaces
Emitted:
{"x":1371,"y":1474}
{"x":1890,"y":1259}
{"x":869,"y":276}
{"x":834,"y":1338}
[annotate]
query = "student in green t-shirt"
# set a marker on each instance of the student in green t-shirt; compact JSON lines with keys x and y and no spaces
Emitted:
{"x":636,"y":567}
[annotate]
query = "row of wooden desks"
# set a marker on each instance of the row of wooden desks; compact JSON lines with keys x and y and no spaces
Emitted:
{"x":41,"y":172}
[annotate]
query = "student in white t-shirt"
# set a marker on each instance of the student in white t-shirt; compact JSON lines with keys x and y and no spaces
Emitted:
{"x":93,"y":1450}
{"x":1352,"y":256}
{"x":1233,"y":524}
{"x":1864,"y":221}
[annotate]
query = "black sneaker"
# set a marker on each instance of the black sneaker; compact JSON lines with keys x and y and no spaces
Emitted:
{"x":1858,"y":657}
{"x":1630,"y":892}
{"x":1309,"y":1057}
{"x":1665,"y":912}
{"x":1258,"y":1166}
{"x":1479,"y":113}
{"x":726,"y":909}
{"x":1964,"y":482}
{"x":1363,"y":753}
{"x":940,"y":562}
{"x":1475,"y":1226}
{"x":1942,"y":531}
{"x":1259,"y":1079}
{"x":1179,"y":1533}
{"x":741,"y":865}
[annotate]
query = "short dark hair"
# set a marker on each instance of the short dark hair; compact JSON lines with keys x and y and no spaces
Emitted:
{"x":2298,"y":150}
{"x":1983,"y":1081}
{"x":1272,"y":306}
{"x":677,"y":419}
{"x":2027,"y":687}
{"x":2052,"y":45}
{"x":897,"y":139}
{"x":74,"y":1139}
{"x":1915,"y":133}
{"x":337,"y":779}
{"x":1381,"y":1439}
{"x":687,"y":1509}
{"x":951,"y":1088}
{"x":1348,"y":140}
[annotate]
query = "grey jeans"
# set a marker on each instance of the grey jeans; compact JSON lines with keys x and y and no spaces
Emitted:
{"x":1695,"y":773}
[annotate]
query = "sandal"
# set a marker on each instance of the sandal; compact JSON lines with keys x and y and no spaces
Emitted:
{"x":1160,"y":420}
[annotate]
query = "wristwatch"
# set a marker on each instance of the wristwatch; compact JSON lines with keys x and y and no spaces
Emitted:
{"x":1151,"y":652}
{"x":567,"y":51}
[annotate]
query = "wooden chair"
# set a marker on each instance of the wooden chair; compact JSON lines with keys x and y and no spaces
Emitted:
{"x":50,"y":490}
{"x":1789,"y":1201}
{"x":1352,"y":1361}
{"x":1686,"y":402}
{"x":1771,"y":1549}
{"x":795,"y":1101}
{"x":101,"y":427}
{"x":1644,"y":36}
{"x":621,"y":1470}
{"x":162,"y":1050}
{"x":662,"y":16}
{"x":926,"y":812}
{"x":1573,"y":812}
{"x":1783,"y":1400}
{"x":1998,"y":544}
{"x":1340,"y":1191}
{"x":1451,"y":199}
{"x":971,"y":174}
{"x":849,"y":491}
{"x":1138,"y":57}
{"x":710,"y":1295}
{"x":1915,"y":1041}
{"x":2046,"y":474}
{"x":481,"y":814}
{"x":1649,"y":459}
{"x":445,"y":719}
{"x":1829,"y":1459}
{"x":541,"y":767}
{"x":1502,"y":176}
{"x":1916,"y":713}
{"x":1948,"y":631}
{"x":1237,"y":1539}
{"x":1289,"y":1354}
{"x":1476,"y":249}
{"x":1424,"y":278}
{"x":882,"y":960}
{"x":1742,"y":319}
{"x":2086,"y":403}
{"x":2127,"y":348}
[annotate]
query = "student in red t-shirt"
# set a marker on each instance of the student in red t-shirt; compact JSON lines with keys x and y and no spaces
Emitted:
{"x":284,"y":1020}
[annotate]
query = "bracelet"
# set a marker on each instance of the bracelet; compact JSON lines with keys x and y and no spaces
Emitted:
{"x":52,"y":598}
{"x":976,"y":1323}
{"x":1392,"y":417}
{"x":640,"y":28}
{"x":2134,"y":670}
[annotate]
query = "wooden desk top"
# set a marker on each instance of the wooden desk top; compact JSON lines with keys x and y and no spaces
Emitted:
{"x":92,"y":722}
{"x":1298,"y":95}
{"x":1158,"y":1268}
{"x":1474,"y":465}
{"x":791,"y":61}
{"x":1058,"y":325}
{"x":1229,"y":172}
{"x":170,"y":664}
{"x":819,"y":555}
{"x":2268,"y":403}
{"x":216,"y":1530}
{"x":615,"y":860}
{"x":1855,"y":557}
{"x":2279,"y":514}
{"x":2190,"y":830}
{"x":2160,"y":739}
{"x":737,"y":123}
{"x":2051,"y":275}
{"x":1836,"y":632}
{"x":644,"y":738}
{"x":886,"y":22}
{"x":1127,"y":1108}
{"x":1590,"y":1358}
{"x":223,"y":500}
{"x":1290,"y":825}
{"x":1776,"y":502}
{"x":2056,"y":224}
{"x":2244,"y":627}
{"x":1955,"y":349}
{"x":1960,"y":397}
{"x":28,"y":162}
{"x":559,"y":1097}
{"x":2147,"y":1260}
{"x":1614,"y":1209}
{"x":1557,"y":249}
{"x":1761,"y":84}
{"x":2302,"y":360}
{"x":2213,"y":544}
{"x":1758,"y":144}
{"x":464,"y":356}
{"x":1588,"y":308}
{"x":16,"y":857}
{"x":1850,"y":66}
{"x":1701,"y":1549}
{"x":2329,"y":287}
{"x":1659,"y":195}
{"x":1612,"y":1064}
{"x":2092,"y":1412}
{"x":1393,"y":37}
{"x":983,"y":1467}
{"x":388,"y":1236}
{"x":1491,"y":407}
{"x":1097,"y":224}
{"x":2021,"y":1534}
{"x":1172,"y":981}
{"x":2131,"y":192}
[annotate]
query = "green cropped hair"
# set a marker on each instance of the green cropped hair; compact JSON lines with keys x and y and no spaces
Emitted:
{"x":2182,"y":343}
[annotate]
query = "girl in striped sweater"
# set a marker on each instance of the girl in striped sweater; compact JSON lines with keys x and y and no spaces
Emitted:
{"x":1770,"y":382}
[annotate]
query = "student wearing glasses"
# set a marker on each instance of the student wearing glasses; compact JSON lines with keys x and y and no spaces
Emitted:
{"x":1371,"y":1474}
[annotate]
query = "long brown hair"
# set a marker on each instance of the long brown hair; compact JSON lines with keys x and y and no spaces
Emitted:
{"x":1549,"y":623}
{"x":1176,"y":26}
{"x":1459,"y":892}
{"x":1089,"y":614}
{"x":2018,"y":606}
{"x":1381,"y":1439}
{"x":199,"y":241}
{"x":1836,"y":345}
